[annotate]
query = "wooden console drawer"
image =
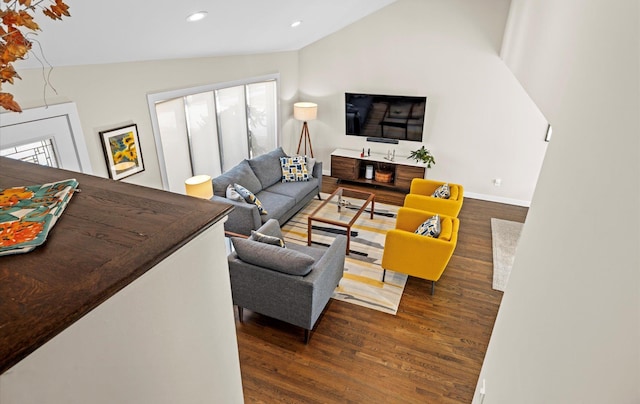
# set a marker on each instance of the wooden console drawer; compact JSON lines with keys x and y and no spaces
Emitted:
{"x":345,"y":168}
{"x":404,"y":175}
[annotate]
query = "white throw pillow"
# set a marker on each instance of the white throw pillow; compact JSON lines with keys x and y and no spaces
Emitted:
{"x":233,"y":194}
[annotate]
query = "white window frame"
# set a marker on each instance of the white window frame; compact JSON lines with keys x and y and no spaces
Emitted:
{"x":153,"y":99}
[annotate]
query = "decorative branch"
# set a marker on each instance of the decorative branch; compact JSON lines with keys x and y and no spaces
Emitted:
{"x":16,"y":20}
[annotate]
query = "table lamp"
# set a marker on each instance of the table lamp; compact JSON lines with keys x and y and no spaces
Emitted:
{"x":199,"y":186}
{"x":305,"y":111}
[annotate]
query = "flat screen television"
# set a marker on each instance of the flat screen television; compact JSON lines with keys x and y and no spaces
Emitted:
{"x":385,"y":118}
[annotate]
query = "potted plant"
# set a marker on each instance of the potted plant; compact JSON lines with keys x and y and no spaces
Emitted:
{"x":422,"y":155}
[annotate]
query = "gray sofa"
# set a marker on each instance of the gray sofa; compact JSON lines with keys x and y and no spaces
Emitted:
{"x":262,"y":176}
{"x":292,"y":284}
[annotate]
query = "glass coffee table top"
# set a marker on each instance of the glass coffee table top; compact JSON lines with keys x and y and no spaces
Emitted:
{"x":342,"y":208}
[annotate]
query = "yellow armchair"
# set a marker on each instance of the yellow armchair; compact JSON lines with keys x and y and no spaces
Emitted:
{"x":416,"y":255}
{"x":419,"y":197}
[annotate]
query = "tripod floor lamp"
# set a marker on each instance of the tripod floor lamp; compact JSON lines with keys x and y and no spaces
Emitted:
{"x":305,"y":111}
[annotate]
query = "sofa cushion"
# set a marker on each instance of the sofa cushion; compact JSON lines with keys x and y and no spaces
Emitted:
{"x":265,"y":238}
{"x":240,"y":174}
{"x":430,"y":227}
{"x":442,"y":191}
{"x":283,"y":260}
{"x":294,"y":169}
{"x":267,"y":167}
{"x":250,"y":198}
{"x":276,"y":204}
{"x":233,"y":194}
{"x":296,"y":190}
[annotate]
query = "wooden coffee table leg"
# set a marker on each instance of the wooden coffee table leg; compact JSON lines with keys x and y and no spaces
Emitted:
{"x":348,"y":238}
{"x":308,"y":231}
{"x":373,"y":204}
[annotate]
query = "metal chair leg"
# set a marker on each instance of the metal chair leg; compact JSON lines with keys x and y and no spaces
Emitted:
{"x":240,"y":313}
{"x":384,"y":273}
{"x":433,"y":287}
{"x":307,"y":335}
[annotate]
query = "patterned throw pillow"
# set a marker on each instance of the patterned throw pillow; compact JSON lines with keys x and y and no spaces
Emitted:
{"x":430,"y":227}
{"x":233,"y":194}
{"x":294,"y":169}
{"x":265,"y":238}
{"x":250,"y":197}
{"x":443,"y":192}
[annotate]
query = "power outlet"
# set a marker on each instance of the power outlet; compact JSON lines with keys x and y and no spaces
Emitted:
{"x":497,"y":182}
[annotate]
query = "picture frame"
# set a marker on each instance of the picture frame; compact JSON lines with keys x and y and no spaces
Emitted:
{"x":122,"y":151}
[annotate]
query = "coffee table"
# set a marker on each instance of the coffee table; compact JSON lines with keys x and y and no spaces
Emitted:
{"x":338,"y":211}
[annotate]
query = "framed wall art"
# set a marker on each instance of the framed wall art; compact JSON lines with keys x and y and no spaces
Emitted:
{"x":122,"y":151}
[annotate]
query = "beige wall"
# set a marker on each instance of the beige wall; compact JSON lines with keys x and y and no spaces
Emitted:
{"x":480,"y":123}
{"x":568,"y":329}
{"x":115,"y":94}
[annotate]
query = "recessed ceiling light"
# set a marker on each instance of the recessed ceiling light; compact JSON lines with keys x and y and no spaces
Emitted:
{"x":296,"y":24}
{"x":197,"y":16}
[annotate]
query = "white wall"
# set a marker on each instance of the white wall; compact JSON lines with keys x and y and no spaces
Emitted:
{"x":111,"y":95}
{"x":480,"y":123}
{"x":168,"y":337}
{"x":568,"y":328}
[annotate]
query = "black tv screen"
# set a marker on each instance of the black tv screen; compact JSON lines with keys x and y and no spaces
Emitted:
{"x":385,"y":117}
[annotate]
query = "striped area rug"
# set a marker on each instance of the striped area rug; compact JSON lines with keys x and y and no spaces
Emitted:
{"x":362,"y":281}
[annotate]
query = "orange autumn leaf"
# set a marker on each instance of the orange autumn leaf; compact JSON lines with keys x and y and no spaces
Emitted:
{"x":9,"y":18}
{"x":7,"y":102}
{"x":25,"y":19}
{"x":56,"y":11}
{"x":7,"y":74}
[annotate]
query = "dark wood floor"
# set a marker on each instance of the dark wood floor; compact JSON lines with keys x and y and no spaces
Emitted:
{"x":430,"y":352}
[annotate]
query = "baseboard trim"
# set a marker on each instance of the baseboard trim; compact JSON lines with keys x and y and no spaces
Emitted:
{"x":499,"y":199}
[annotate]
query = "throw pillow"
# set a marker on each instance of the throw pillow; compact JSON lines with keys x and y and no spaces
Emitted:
{"x":267,"y":239}
{"x":311,"y":162}
{"x":287,"y":261}
{"x":442,"y":191}
{"x":430,"y":227}
{"x":233,"y":194}
{"x":250,"y":197}
{"x":294,"y":169}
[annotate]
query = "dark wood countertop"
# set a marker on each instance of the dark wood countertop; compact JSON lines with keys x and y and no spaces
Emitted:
{"x":110,"y":234}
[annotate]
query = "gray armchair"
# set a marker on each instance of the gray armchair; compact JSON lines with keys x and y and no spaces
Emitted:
{"x":292,"y":284}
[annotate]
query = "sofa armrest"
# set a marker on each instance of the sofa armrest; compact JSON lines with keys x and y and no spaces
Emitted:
{"x":335,"y":254}
{"x":243,"y":218}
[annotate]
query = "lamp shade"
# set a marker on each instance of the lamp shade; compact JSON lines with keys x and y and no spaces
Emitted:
{"x":305,"y":111}
{"x":199,"y":186}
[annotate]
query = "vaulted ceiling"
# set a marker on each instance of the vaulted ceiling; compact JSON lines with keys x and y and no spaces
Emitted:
{"x":122,"y":30}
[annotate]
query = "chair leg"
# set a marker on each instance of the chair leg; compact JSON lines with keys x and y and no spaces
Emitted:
{"x":384,"y":273}
{"x":319,"y":197}
{"x":307,"y":335}
{"x":240,"y":312}
{"x":433,"y":287}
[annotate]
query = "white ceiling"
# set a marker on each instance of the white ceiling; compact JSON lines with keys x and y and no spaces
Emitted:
{"x":123,"y":30}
